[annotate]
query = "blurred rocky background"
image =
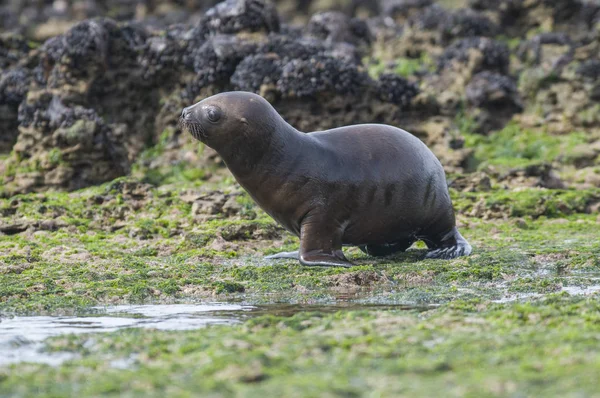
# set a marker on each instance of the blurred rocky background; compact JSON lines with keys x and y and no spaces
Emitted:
{"x":505,"y":92}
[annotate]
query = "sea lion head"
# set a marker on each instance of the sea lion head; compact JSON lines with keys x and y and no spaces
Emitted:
{"x":231,"y":119}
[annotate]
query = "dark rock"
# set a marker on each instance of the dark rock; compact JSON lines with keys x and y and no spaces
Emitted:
{"x":497,"y":98}
{"x":467,"y":23}
{"x":401,"y":9}
{"x":531,"y":50}
{"x":474,"y":182}
{"x":335,"y":27}
{"x":216,"y":61}
{"x":257,"y":70}
{"x":548,"y":178}
{"x":494,"y":55}
{"x":319,"y":74}
{"x":453,"y":24}
{"x":396,"y":89}
{"x":589,"y":69}
{"x":517,"y":17}
{"x":493,"y":90}
{"x":70,"y":146}
{"x":288,"y":48}
{"x":14,"y":85}
{"x":233,"y":16}
{"x":13,"y":48}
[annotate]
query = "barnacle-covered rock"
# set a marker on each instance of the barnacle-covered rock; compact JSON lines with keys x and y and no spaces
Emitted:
{"x":566,"y":100}
{"x":496,"y":98}
{"x":13,"y":48}
{"x":233,"y":16}
{"x":335,"y":27}
{"x":466,"y":23}
{"x":302,"y":78}
{"x":589,"y":69}
{"x":14,"y":84}
{"x":288,"y":48}
{"x":216,"y":60}
{"x":63,"y":147}
{"x":458,"y":64}
{"x":428,"y":31}
{"x":396,"y":89}
{"x":518,"y":17}
{"x":549,"y":51}
{"x":256,"y":71}
{"x":401,"y":10}
{"x":453,"y":24}
{"x":477,"y":54}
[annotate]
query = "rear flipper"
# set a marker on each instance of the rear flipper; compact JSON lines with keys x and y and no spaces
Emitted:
{"x":387,"y":248}
{"x":452,"y":245}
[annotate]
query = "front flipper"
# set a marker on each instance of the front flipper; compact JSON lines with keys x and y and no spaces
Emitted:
{"x":451,"y":245}
{"x":321,"y":244}
{"x":295,"y":255}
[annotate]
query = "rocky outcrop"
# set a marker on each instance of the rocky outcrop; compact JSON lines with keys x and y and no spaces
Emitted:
{"x":79,"y":108}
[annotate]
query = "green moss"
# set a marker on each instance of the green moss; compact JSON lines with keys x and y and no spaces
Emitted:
{"x":516,"y":147}
{"x":470,"y":348}
{"x":160,"y":249}
{"x":221,"y":287}
{"x":528,"y":202}
{"x":404,"y":67}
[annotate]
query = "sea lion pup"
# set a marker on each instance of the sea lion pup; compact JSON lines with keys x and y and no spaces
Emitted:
{"x":372,"y":186}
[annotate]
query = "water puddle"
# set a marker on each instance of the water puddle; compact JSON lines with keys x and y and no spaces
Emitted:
{"x":573,"y":290}
{"x":22,"y":337}
{"x":581,"y":290}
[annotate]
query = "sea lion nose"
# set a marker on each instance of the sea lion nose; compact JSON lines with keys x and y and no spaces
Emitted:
{"x":185,"y":113}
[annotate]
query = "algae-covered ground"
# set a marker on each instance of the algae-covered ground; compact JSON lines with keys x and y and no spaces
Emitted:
{"x":467,"y":348}
{"x":104,"y":200}
{"x":519,"y":317}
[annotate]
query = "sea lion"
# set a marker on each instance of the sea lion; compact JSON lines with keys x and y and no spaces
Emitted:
{"x":373,"y":186}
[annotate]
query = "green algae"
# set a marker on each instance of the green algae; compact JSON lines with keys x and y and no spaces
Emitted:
{"x":137,"y":240}
{"x":516,"y":147}
{"x":546,"y":347}
{"x":159,"y":253}
{"x":405,"y":67}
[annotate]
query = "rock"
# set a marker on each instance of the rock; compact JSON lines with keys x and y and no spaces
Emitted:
{"x":335,"y":27}
{"x":321,"y":74}
{"x":396,"y":89}
{"x":357,"y":279}
{"x":400,"y":10}
{"x":477,"y":54}
{"x":216,"y":61}
{"x":14,"y":84}
{"x":209,"y":204}
{"x":72,"y":146}
{"x":451,"y":25}
{"x":518,"y":17}
{"x":476,"y":182}
{"x":257,"y":71}
{"x":249,"y":231}
{"x":497,"y":98}
{"x":234,"y":16}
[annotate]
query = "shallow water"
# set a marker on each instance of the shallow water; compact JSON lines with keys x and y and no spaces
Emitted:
{"x":22,"y":337}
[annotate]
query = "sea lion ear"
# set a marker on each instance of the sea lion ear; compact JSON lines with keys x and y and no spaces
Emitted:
{"x":243,"y":120}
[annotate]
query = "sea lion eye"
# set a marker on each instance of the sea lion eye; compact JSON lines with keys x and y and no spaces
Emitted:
{"x":213,"y":114}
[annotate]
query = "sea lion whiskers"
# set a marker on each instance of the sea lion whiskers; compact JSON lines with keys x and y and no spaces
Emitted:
{"x":194,"y":128}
